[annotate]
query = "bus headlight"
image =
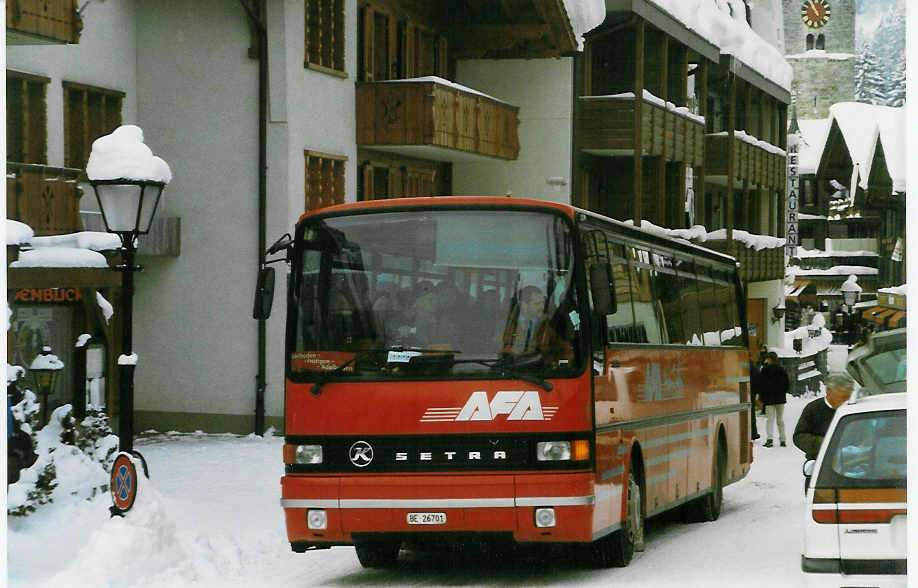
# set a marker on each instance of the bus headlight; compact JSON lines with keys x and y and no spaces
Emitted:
{"x":303,"y":454}
{"x":577,"y":450}
{"x":545,"y":517}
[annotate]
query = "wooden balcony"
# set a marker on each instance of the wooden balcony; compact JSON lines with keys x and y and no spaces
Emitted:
{"x":45,"y":198}
{"x":605,"y":125}
{"x":755,"y":266}
{"x":34,"y":22}
{"x":753,"y":160}
{"x":435,"y":119}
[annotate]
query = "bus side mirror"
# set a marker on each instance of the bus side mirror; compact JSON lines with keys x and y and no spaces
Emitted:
{"x":602,"y":289}
{"x":264,"y":294}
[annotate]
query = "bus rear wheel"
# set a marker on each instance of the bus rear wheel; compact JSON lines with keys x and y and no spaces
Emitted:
{"x":707,"y":508}
{"x":617,"y":549}
{"x":377,"y":554}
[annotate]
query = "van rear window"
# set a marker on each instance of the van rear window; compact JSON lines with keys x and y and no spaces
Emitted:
{"x":866,"y":450}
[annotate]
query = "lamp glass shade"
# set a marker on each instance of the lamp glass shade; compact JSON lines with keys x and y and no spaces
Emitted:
{"x":45,"y":379}
{"x":128,"y":206}
{"x":120,"y":204}
{"x":850,"y":297}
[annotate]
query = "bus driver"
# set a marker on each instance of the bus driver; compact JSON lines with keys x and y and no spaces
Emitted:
{"x":528,"y":329}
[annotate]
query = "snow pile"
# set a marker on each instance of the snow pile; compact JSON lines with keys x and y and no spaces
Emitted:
{"x":699,"y":234}
{"x":747,"y":138}
{"x":807,"y":253}
{"x":584,"y":16}
{"x":18,"y":233}
{"x":58,"y":257}
{"x":723,"y":23}
{"x":900,"y":290}
{"x":14,"y":372}
{"x":77,"y":474}
{"x":651,"y":98}
{"x":105,"y":305}
{"x":94,"y":240}
{"x":811,"y":345}
{"x":838,"y":270}
{"x":122,"y":154}
{"x":850,"y":284}
{"x":46,"y":361}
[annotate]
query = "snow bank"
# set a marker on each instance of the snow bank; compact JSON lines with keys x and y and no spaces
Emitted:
{"x":18,"y":233}
{"x":94,"y":240}
{"x":57,"y":257}
{"x":122,"y":154}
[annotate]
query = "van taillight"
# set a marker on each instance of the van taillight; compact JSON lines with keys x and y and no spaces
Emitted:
{"x":862,"y":500}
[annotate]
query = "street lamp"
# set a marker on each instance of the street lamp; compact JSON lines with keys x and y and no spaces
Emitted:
{"x":45,"y":369}
{"x":850,"y":291}
{"x":128,"y":181}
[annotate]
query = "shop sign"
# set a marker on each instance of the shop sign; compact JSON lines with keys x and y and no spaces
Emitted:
{"x":48,"y":295}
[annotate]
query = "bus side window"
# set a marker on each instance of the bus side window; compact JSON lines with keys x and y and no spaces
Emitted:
{"x":711,"y":312}
{"x":670,"y":298}
{"x":731,"y":332}
{"x":689,"y":302}
{"x":648,"y":317}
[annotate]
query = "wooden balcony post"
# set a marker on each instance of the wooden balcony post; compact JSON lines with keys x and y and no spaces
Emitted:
{"x":731,"y":153}
{"x":638,"y":120}
{"x":701,"y":90}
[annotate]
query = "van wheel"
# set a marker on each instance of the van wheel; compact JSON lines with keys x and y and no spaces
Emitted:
{"x":377,"y":554}
{"x":617,"y":549}
{"x":707,"y":508}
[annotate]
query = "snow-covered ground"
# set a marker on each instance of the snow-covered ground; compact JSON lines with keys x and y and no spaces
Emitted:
{"x":210,"y":516}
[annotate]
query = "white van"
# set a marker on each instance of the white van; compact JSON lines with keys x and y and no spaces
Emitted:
{"x":855,"y":521}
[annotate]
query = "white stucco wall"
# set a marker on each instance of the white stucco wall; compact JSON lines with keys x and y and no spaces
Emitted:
{"x":542,"y":89}
{"x":106,"y":57}
{"x":197,"y":103}
{"x":852,"y":245}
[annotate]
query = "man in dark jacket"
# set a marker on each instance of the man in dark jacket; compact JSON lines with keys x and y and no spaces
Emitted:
{"x":817,"y":415}
{"x":773,"y":385}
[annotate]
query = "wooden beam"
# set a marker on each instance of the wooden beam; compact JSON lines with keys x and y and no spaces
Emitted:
{"x":731,"y":153}
{"x":67,"y":277}
{"x":701,"y":90}
{"x":638,"y":182}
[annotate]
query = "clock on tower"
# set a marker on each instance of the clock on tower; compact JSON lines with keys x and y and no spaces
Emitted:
{"x":815,"y":13}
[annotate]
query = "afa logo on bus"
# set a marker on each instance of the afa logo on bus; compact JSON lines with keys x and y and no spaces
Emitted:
{"x":517,"y":405}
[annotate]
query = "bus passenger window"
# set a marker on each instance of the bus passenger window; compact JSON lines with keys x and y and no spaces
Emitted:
{"x":689,"y":302}
{"x":711,"y":312}
{"x":670,"y":297}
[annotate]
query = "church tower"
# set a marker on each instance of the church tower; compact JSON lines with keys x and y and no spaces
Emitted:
{"x":819,"y":45}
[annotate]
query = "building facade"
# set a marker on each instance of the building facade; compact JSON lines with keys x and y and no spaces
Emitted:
{"x":265,"y":110}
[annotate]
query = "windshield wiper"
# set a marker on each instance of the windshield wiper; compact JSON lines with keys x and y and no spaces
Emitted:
{"x":510,"y":365}
{"x":325,"y":377}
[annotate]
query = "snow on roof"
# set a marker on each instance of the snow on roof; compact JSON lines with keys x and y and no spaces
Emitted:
{"x":60,"y":257}
{"x":813,"y":135}
{"x":584,"y":15}
{"x":122,"y":154}
{"x":95,"y":240}
{"x":838,"y":270}
{"x":900,"y":290}
{"x":18,"y":233}
{"x":723,"y":23}
{"x":803,"y":252}
{"x":699,"y":234}
{"x":862,"y":125}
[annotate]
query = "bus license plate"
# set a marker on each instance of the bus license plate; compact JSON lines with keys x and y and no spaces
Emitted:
{"x":426,"y":518}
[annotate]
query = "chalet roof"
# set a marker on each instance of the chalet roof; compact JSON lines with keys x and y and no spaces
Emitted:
{"x":864,"y":127}
{"x":813,"y":137}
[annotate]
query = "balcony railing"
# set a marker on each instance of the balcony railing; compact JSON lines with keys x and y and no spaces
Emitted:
{"x":434,"y":118}
{"x":45,"y":198}
{"x":605,"y":126}
{"x":755,"y":266}
{"x":42,"y":22}
{"x":753,"y":160}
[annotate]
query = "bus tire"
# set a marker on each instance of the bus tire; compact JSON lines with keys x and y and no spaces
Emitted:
{"x":377,"y":554}
{"x":617,"y":549}
{"x":707,"y":508}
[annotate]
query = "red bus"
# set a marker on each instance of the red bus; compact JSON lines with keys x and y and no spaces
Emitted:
{"x":413,"y":414}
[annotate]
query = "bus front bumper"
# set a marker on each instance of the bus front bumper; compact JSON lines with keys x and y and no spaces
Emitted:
{"x":532,"y":507}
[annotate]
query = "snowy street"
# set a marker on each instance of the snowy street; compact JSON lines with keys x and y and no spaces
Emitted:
{"x":210,"y":516}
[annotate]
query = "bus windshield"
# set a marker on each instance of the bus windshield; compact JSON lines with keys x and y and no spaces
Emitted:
{"x":428,"y":293}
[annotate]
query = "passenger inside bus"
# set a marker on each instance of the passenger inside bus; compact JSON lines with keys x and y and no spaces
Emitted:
{"x":529,"y":329}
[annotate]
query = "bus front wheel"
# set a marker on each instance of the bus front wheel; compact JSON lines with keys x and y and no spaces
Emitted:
{"x":377,"y":554}
{"x":617,"y":549}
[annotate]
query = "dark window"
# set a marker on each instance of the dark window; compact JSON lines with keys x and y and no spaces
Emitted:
{"x":324,"y":179}
{"x":809,"y":42}
{"x":821,"y":42}
{"x":89,"y":113}
{"x":26,"y":118}
{"x":324,"y":35}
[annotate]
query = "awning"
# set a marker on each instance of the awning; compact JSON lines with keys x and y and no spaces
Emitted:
{"x":795,"y":290}
{"x":894,"y":320}
{"x":877,"y":314}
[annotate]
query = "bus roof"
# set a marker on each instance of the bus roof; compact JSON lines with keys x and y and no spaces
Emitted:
{"x":513,"y":202}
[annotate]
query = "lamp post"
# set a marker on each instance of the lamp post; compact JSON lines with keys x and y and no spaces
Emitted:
{"x":45,"y":369}
{"x":850,"y":291}
{"x":128,"y":181}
